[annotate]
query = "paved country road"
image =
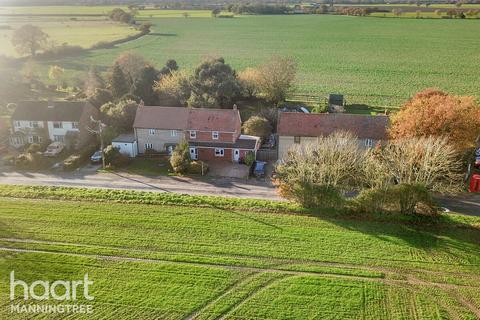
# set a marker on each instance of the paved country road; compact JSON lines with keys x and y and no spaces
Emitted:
{"x":468,"y":204}
{"x":90,"y":179}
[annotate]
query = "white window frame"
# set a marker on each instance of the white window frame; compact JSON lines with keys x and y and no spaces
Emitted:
{"x":58,"y":138}
{"x":34,"y":124}
{"x":297,"y":139}
{"x":148,"y":146}
{"x":57,"y":125}
{"x":219,"y":152}
{"x":152,"y":132}
{"x":173,"y":133}
{"x":193,"y":134}
{"x":17,"y":140}
{"x":17,"y":124}
{"x":369,"y":143}
{"x":75,"y":125}
{"x":215,"y":135}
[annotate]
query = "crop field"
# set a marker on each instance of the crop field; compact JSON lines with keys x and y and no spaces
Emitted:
{"x":373,"y":61}
{"x":170,"y":262}
{"x":82,"y":31}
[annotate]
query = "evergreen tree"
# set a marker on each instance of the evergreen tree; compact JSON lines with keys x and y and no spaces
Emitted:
{"x":118,"y":82}
{"x":143,"y":87}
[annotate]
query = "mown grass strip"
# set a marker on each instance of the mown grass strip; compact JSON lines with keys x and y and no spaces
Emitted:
{"x":223,"y":203}
{"x":139,"y":197}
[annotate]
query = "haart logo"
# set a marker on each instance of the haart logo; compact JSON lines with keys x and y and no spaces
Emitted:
{"x":59,"y":290}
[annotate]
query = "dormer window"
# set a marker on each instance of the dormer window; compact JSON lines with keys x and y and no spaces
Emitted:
{"x":215,"y":135}
{"x":151,"y":132}
{"x":193,"y":134}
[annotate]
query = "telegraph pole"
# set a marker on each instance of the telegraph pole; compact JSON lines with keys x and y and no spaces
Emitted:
{"x":99,"y":132}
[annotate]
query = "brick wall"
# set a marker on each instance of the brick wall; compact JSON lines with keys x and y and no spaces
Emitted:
{"x":208,"y":154}
{"x":206,"y":136}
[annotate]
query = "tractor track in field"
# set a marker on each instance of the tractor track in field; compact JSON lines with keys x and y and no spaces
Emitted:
{"x":229,"y":290}
{"x":410,"y":280}
{"x":263,"y":287}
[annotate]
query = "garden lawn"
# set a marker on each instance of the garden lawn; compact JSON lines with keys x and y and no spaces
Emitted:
{"x":207,"y":263}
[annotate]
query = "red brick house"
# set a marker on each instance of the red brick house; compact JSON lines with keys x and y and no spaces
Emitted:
{"x":212,"y":134}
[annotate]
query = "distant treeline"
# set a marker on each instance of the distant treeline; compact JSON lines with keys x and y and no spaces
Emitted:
{"x":209,"y":4}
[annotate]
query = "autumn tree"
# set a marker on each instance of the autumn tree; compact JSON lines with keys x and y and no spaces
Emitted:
{"x":28,"y":39}
{"x":257,"y":126}
{"x":249,"y":80}
{"x":131,"y":64}
{"x":436,"y":113}
{"x":120,"y":115}
{"x":56,"y":73}
{"x":175,"y":86}
{"x":276,"y":78}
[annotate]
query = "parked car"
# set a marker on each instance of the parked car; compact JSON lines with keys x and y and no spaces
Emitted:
{"x":259,"y":169}
{"x":96,"y":157}
{"x":54,"y":149}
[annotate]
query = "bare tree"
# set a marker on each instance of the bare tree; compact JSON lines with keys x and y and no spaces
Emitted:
{"x":404,"y":173}
{"x":276,"y":78}
{"x":131,"y":63}
{"x":313,"y":174}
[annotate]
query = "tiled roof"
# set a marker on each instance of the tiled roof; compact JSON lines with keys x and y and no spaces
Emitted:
{"x":322,"y":124}
{"x":125,"y":137}
{"x":178,"y":118}
{"x":163,"y":118}
{"x":226,"y":120}
{"x":243,"y":142}
{"x":49,"y":111}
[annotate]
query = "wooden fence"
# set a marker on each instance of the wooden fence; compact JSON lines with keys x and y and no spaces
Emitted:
{"x":267,"y":154}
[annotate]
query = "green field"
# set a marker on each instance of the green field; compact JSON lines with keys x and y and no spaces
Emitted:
{"x":371,"y":60}
{"x":83,"y":31}
{"x":169,"y":262}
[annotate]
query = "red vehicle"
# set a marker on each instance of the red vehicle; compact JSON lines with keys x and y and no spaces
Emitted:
{"x":475,"y":183}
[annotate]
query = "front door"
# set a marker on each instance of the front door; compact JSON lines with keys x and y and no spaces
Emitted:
{"x":194,"y":153}
{"x":236,"y":155}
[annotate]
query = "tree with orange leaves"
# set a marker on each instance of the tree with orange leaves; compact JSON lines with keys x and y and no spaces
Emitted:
{"x":435,"y":113}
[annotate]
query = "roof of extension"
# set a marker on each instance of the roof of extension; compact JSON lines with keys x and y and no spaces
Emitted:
{"x":49,"y":110}
{"x":125,"y":138}
{"x":179,"y":118}
{"x":322,"y":124}
{"x":243,"y":142}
